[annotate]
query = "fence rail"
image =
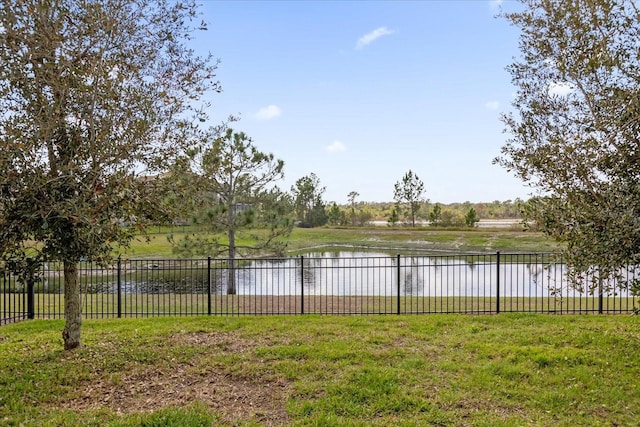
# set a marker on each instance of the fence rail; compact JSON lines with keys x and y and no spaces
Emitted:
{"x":492,"y":283}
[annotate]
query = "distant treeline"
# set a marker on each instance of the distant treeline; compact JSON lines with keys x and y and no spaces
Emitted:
{"x":450,"y":213}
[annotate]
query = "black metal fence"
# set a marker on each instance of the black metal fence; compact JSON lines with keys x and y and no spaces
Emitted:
{"x":315,"y":284}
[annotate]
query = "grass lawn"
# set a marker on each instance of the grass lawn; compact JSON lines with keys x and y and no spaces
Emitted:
{"x":440,"y":370}
{"x":392,"y":240}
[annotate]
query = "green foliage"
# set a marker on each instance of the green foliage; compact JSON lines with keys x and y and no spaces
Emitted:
{"x":233,"y":185}
{"x":450,"y":219}
{"x":351,"y":197}
{"x":471,"y":218}
{"x":574,"y":132}
{"x":435,"y":215}
{"x":309,"y":206}
{"x":409,"y":192}
{"x":90,"y":94}
{"x":336,"y":216}
{"x":362,"y":216}
{"x":393,"y":217}
{"x":529,"y":212}
{"x":380,"y":211}
{"x":78,"y":120}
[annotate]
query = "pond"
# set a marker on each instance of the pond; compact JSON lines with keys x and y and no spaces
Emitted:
{"x":341,"y":273}
{"x":347,"y":273}
{"x":337,"y":281}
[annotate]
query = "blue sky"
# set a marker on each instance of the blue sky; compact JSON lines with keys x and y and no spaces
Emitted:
{"x":361,"y":92}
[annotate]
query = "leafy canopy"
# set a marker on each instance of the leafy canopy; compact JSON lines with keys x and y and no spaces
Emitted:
{"x":574,"y":133}
{"x":237,"y":200}
{"x":96,"y":96}
{"x":409,"y":191}
{"x":93,"y":95}
{"x":309,"y":206}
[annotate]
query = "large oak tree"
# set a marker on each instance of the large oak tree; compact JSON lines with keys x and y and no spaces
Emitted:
{"x":575,"y":131}
{"x":93,"y":95}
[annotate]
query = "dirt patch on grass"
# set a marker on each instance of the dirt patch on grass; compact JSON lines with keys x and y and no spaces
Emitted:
{"x":149,"y":388}
{"x":474,"y":409}
{"x":224,"y":342}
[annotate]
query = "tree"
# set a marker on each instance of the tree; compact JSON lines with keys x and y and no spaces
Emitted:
{"x":239,"y":178}
{"x":307,"y":194}
{"x":574,"y":134}
{"x":93,"y":95}
{"x":393,"y":217}
{"x":471,"y":218}
{"x":495,"y":209}
{"x":527,"y":211}
{"x":450,"y":218}
{"x":336,"y":216}
{"x":351,"y":197}
{"x":363,"y":216}
{"x":409,"y":191}
{"x":435,"y":215}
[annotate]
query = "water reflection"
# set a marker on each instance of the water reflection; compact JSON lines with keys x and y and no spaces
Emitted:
{"x":346,"y":273}
{"x":365,"y":273}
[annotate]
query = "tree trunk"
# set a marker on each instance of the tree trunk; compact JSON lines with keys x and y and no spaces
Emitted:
{"x":72,"y":309}
{"x":231,"y":286}
{"x":231,"y":282}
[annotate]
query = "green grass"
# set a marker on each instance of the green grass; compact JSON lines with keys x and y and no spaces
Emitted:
{"x":392,"y":240}
{"x":506,"y":370}
{"x":423,"y":239}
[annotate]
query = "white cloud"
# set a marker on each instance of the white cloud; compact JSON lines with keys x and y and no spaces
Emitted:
{"x":336,"y":147}
{"x":269,"y":112}
{"x":560,"y":89}
{"x":492,"y":105}
{"x":372,"y":36}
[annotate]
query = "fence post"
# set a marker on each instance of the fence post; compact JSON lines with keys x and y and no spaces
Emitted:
{"x":398,"y":283}
{"x":600,"y":296}
{"x":31,"y":296}
{"x":119,"y":287}
{"x":498,"y":282}
{"x":209,"y":286}
{"x":301,"y":284}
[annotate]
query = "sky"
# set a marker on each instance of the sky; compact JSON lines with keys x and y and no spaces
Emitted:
{"x":359,"y":92}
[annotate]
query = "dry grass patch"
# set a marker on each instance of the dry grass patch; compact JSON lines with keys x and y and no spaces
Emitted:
{"x":144,"y":388}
